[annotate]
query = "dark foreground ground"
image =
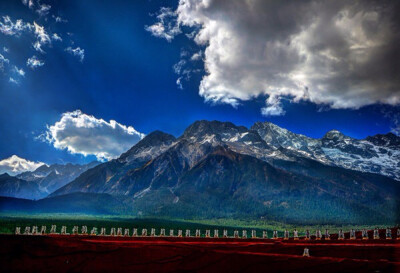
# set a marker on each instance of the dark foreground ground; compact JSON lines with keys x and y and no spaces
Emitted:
{"x":80,"y":253}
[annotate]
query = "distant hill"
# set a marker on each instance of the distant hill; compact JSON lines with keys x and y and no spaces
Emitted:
{"x":71,"y":203}
{"x":42,"y":181}
{"x":15,"y":187}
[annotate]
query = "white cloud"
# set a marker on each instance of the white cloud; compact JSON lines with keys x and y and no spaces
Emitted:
{"x":8,"y":27}
{"x":59,"y":19}
{"x":19,"y":71}
{"x":17,"y":74}
{"x":183,"y":72}
{"x":179,"y":83}
{"x":338,"y":53}
{"x":178,"y":67}
{"x":80,"y":133}
{"x":273,"y":107}
{"x":3,"y":61}
{"x":15,"y":165}
{"x":34,"y":62}
{"x":184,"y":53}
{"x":43,"y":10}
{"x":36,"y":36}
{"x":78,"y":52}
{"x":38,"y":47}
{"x":166,"y":27}
{"x":14,"y":81}
{"x":42,"y":37}
{"x":56,"y":37}
{"x":197,"y":56}
{"x":29,"y":3}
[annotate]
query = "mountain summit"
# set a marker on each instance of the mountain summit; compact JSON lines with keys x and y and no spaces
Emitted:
{"x":202,"y":128}
{"x":156,"y":140}
{"x":15,"y":165}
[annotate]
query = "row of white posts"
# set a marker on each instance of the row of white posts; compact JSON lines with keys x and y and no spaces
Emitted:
{"x":144,"y":233}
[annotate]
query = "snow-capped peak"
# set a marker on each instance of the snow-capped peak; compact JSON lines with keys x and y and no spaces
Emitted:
{"x":334,"y":134}
{"x":377,"y":154}
{"x":15,"y":165}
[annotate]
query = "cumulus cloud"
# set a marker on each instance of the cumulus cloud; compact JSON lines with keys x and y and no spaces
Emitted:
{"x":343,"y":54}
{"x":78,"y":52}
{"x":33,"y":62}
{"x":84,"y":134}
{"x":15,"y":165}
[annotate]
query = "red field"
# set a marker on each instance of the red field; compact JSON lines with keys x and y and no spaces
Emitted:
{"x":126,"y":254}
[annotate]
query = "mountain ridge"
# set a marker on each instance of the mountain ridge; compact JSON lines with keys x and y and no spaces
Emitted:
{"x":218,"y":169}
{"x":371,"y":154}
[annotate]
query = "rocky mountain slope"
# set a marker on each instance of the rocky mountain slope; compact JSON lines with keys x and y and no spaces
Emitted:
{"x":218,"y":169}
{"x":107,"y":175}
{"x":376,"y":154}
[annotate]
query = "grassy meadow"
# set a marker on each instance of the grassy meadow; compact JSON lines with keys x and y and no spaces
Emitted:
{"x":9,"y":222}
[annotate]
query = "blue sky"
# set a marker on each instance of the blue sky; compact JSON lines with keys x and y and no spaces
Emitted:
{"x":127,"y":74}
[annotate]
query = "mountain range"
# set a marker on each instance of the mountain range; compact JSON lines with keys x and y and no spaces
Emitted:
{"x":217,"y":169}
{"x":42,"y":181}
{"x":376,"y":154}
